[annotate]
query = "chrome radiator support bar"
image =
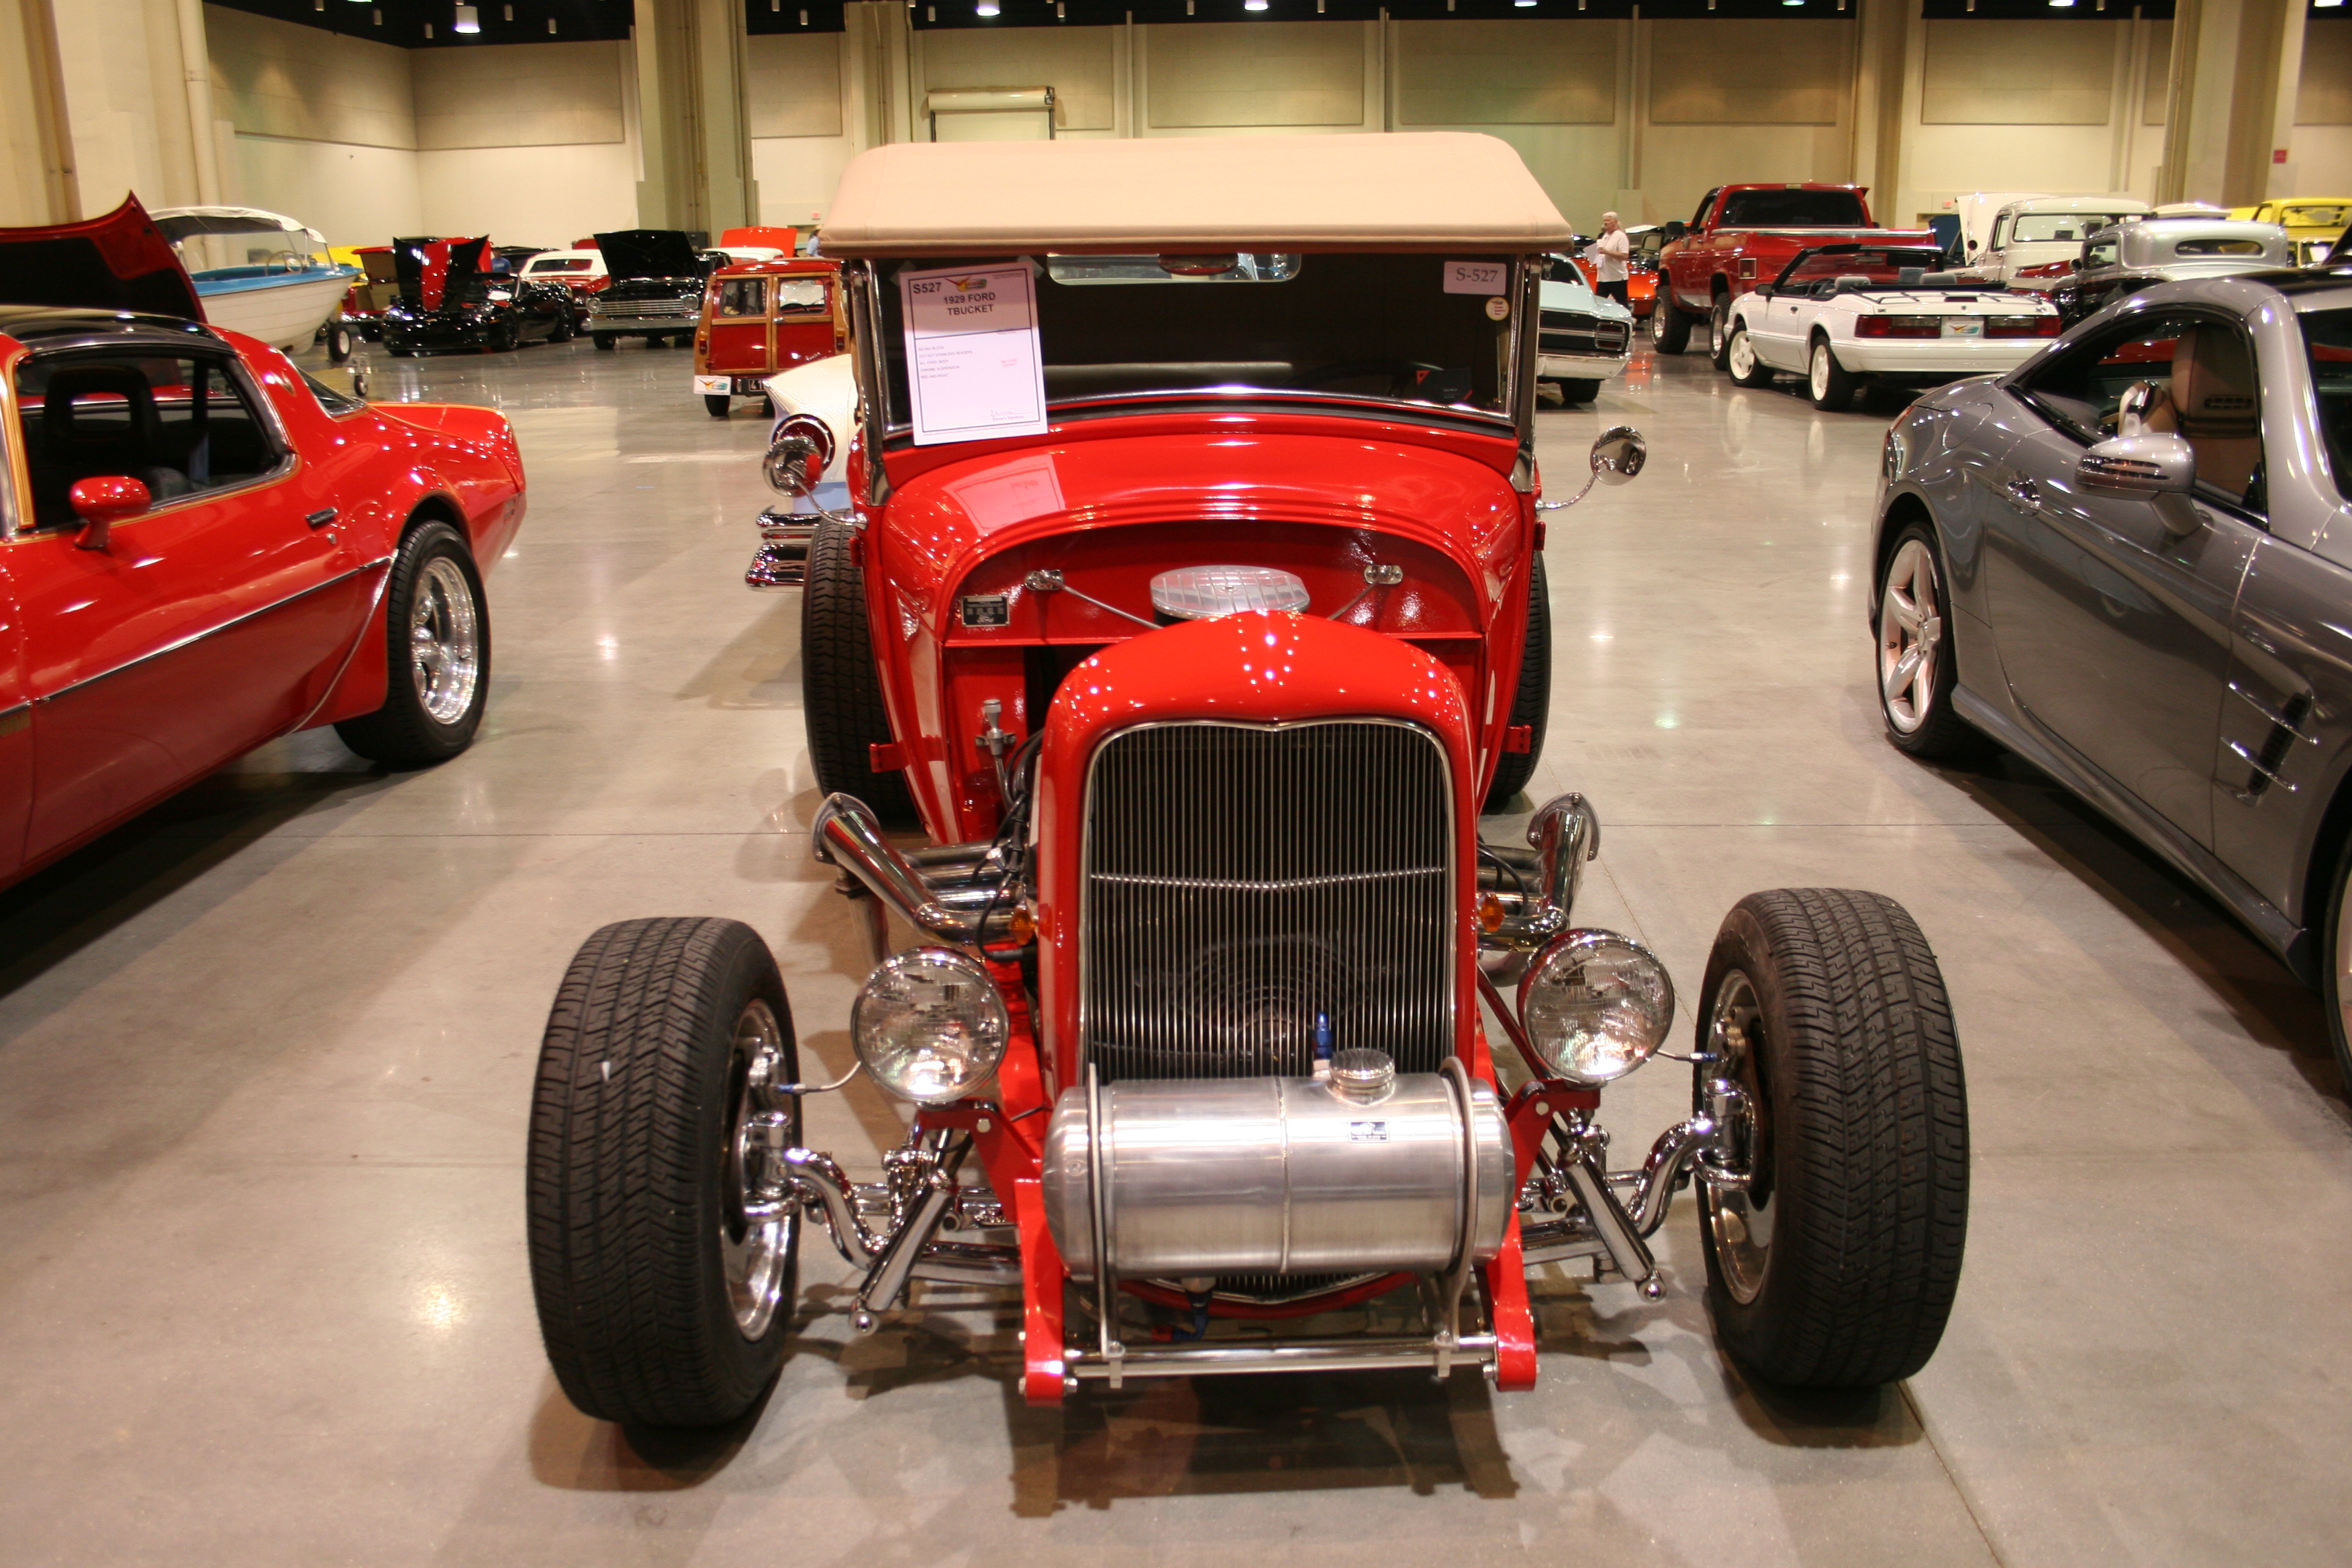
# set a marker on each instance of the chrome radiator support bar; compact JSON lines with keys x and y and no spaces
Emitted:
{"x":1335,"y":1355}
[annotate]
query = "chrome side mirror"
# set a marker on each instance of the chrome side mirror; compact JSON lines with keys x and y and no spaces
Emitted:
{"x":798,"y":457}
{"x":2139,"y":465}
{"x":1619,"y":455}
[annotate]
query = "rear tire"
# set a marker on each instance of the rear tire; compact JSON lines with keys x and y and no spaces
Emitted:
{"x":1718,"y":332}
{"x":1576,"y":392}
{"x":1836,"y":1268}
{"x":720,"y":404}
{"x":1830,"y":385}
{"x":1740,"y":359}
{"x":1531,"y":703}
{"x":437,"y":624}
{"x":1671,"y":328}
{"x":604,"y":341}
{"x":841,"y":692}
{"x":660,"y":1304}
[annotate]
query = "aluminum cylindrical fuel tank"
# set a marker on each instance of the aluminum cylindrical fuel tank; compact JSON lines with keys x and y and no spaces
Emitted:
{"x":1280,"y":1175}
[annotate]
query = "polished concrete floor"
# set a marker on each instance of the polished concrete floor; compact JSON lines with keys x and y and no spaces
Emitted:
{"x":268,"y":1057}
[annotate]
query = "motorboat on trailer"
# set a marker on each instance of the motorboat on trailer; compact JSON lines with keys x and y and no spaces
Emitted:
{"x":260,"y":273}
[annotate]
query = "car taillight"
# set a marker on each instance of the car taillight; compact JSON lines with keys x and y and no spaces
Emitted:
{"x":1899,"y":326}
{"x":2021,"y":326}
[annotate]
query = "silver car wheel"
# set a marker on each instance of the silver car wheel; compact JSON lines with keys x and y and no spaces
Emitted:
{"x":1743,"y":356}
{"x":1719,"y":323}
{"x":445,"y":641}
{"x":1910,"y":632}
{"x":1817,"y":376}
{"x":1739,"y":1223}
{"x":754,"y":1256}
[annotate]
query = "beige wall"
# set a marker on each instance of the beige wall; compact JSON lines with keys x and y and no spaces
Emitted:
{"x":127,"y":103}
{"x":36,"y":183}
{"x":2062,"y":107}
{"x":2323,"y":118}
{"x":528,"y":143}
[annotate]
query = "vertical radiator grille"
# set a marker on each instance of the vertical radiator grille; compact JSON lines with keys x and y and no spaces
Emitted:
{"x":1241,"y":878}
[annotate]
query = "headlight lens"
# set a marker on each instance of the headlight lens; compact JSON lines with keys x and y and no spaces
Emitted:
{"x":1595,"y":1005}
{"x":930,"y":1025}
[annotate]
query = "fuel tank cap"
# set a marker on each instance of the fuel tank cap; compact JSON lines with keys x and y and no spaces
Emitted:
{"x":1363,"y":1074}
{"x":1205,"y":592}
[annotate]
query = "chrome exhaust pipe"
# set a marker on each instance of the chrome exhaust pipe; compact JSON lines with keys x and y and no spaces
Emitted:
{"x":849,"y":836}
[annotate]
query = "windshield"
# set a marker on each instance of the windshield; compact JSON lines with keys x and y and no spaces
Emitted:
{"x":1792,"y":209}
{"x":2043,"y":228}
{"x":1880,"y":264}
{"x":2332,"y":215}
{"x":1355,"y":325}
{"x":2327,"y":334}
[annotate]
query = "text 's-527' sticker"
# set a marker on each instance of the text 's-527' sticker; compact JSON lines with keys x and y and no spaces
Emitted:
{"x":1477,"y":277}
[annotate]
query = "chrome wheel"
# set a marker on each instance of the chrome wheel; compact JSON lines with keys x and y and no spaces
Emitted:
{"x":445,"y":640}
{"x":1738,"y":1221}
{"x":1910,"y":631}
{"x":755,"y":1254}
{"x":1743,"y":357}
{"x":1719,"y":323}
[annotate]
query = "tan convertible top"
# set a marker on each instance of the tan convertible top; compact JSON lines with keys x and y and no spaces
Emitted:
{"x":1419,"y":191}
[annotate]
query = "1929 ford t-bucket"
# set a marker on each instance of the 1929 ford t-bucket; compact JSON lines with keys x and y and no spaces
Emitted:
{"x":1189,"y":598}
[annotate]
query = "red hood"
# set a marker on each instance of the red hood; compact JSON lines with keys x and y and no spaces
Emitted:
{"x":119,"y":262}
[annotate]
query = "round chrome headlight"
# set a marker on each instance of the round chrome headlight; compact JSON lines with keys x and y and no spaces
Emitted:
{"x":929,"y":1024}
{"x":1595,"y":1005}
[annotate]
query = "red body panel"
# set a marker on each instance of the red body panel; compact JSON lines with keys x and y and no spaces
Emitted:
{"x":218,"y":621}
{"x":1111,"y":504}
{"x":1741,"y":257}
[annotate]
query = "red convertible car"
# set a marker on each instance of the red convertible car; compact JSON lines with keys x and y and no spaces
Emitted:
{"x":1188,"y":594}
{"x":201,"y":548}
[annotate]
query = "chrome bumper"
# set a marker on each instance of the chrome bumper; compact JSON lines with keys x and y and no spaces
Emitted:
{"x":782,"y":561}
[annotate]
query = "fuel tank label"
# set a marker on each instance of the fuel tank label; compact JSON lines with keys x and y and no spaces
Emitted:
{"x":1368,"y":1132}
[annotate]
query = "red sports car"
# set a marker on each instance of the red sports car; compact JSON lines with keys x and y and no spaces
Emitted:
{"x":201,"y":548}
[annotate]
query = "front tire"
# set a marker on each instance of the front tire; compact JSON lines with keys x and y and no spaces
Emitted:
{"x":661,"y":1302}
{"x":604,"y":341}
{"x":720,"y":404}
{"x":1718,"y":332}
{"x":1740,"y":359}
{"x":437,"y":623}
{"x":1672,"y":328}
{"x":1829,"y":384}
{"x":1836,"y":1266}
{"x":1579,"y":391}
{"x":1913,"y":617}
{"x":1531,"y":703}
{"x":841,"y":692}
{"x":2335,"y":983}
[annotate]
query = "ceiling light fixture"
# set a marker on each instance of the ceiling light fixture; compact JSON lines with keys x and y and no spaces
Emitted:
{"x":987,"y":9}
{"x":1254,"y":4}
{"x":468,"y":20}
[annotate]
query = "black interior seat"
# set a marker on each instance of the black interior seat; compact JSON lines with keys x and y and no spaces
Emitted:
{"x":96,"y":421}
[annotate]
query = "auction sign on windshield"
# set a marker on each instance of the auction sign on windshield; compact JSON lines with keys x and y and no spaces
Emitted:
{"x":974,"y":367}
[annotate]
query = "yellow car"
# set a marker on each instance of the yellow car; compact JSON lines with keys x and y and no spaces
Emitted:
{"x":2312,"y":222}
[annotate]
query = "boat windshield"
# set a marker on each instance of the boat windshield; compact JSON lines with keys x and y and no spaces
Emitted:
{"x":1395,"y":328}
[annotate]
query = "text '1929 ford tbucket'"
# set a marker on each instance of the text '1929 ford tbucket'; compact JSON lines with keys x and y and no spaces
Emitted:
{"x":1187,"y":597}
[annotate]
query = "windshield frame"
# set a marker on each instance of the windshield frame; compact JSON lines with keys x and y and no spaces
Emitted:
{"x":862,"y":289}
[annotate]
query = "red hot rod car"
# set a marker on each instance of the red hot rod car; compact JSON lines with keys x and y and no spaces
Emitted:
{"x":1187,"y":597}
{"x":200,"y":548}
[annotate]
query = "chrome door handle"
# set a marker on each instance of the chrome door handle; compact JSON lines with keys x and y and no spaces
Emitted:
{"x":2024,"y":493}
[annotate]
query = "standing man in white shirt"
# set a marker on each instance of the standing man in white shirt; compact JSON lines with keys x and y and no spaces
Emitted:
{"x":1608,"y":256}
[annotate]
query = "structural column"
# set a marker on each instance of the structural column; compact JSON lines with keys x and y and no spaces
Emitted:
{"x":1883,"y":103}
{"x":37,"y":166}
{"x":2230,"y":101}
{"x":692,"y":117}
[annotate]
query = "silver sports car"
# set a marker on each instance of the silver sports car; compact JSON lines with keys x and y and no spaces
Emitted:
{"x":2130,"y":561}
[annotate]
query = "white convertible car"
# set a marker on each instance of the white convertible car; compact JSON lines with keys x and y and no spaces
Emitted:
{"x":1582,"y":340}
{"x":1844,"y":315}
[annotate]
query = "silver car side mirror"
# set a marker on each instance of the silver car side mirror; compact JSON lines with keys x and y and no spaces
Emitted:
{"x":2139,"y":465}
{"x":1617,"y":455}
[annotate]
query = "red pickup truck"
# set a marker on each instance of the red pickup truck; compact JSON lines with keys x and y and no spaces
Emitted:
{"x":1743,"y":236}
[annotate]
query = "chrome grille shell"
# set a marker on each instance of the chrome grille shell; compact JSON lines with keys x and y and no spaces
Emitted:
{"x":1237,"y":878}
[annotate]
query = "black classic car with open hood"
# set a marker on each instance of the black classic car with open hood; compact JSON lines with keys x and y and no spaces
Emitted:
{"x":449,"y":299}
{"x":656,"y":288}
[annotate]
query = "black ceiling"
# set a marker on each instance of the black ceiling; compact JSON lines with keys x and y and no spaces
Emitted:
{"x":426,"y":23}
